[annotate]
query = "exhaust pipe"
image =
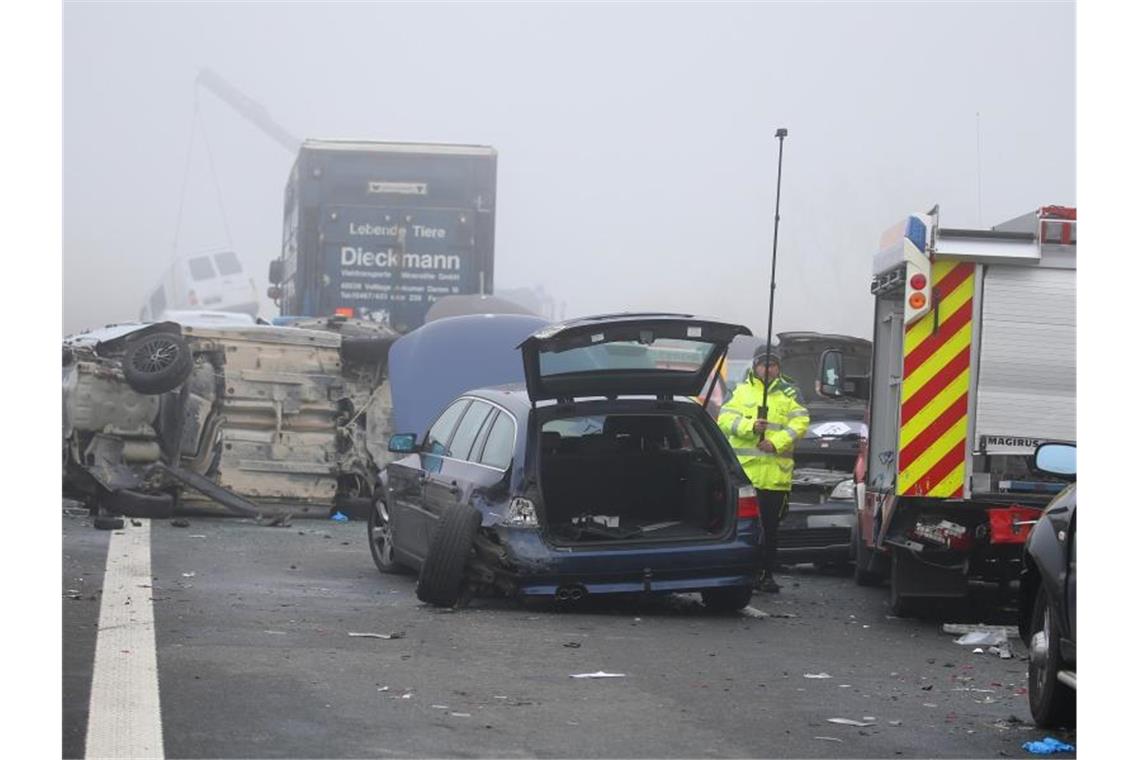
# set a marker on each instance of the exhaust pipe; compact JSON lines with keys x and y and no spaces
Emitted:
{"x":569,"y":593}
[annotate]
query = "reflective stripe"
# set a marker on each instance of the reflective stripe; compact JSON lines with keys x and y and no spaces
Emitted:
{"x":797,"y":413}
{"x":731,"y":411}
{"x":759,"y":453}
{"x":736,"y":425}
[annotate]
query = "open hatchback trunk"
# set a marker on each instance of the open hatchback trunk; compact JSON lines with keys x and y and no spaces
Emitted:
{"x":628,"y":477}
{"x":619,"y":471}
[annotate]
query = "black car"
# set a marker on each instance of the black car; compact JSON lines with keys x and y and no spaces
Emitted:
{"x":597,"y":475}
{"x":1048,"y":589}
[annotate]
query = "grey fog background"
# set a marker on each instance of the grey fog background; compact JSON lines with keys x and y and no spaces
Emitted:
{"x":636,"y":159}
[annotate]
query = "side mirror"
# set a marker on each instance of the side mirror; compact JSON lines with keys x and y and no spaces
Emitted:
{"x":276,"y":271}
{"x":831,"y":374}
{"x":1058,"y":459}
{"x":402,"y":443}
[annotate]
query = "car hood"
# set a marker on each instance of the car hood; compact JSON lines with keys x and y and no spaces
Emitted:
{"x":440,"y":360}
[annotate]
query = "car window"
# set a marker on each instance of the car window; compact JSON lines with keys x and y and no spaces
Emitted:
{"x":500,"y":446}
{"x":440,"y":433}
{"x":467,"y":430}
{"x":228,"y":263}
{"x":201,"y":268}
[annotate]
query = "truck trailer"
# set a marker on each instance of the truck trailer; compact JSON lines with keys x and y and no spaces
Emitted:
{"x":973,"y":366}
{"x":383,"y":230}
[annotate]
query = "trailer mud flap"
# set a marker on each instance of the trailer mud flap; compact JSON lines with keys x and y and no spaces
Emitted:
{"x":919,"y":577}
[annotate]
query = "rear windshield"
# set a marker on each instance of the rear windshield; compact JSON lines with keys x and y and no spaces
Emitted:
{"x":681,"y":356}
{"x":201,"y":268}
{"x":227,"y":263}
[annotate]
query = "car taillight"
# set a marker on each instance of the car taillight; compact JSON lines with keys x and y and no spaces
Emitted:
{"x":344,"y":311}
{"x":747,"y":505}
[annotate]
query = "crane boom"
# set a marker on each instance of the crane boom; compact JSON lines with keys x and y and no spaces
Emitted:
{"x":249,"y":108}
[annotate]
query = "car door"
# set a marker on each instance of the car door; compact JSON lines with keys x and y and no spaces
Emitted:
{"x":453,"y":482}
{"x":411,"y":520}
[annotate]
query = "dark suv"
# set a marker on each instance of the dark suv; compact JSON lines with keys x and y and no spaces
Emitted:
{"x":598,"y":474}
{"x":1049,"y":595}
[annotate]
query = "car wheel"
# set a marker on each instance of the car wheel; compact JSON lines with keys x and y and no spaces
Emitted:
{"x":380,"y":538}
{"x":441,"y":577}
{"x":731,"y":599}
{"x":157,"y":363}
{"x":1051,"y":702}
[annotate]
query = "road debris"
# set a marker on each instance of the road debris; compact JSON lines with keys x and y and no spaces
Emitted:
{"x":339,"y":517}
{"x":816,"y":675}
{"x":982,"y":638}
{"x":895,"y":722}
{"x":963,"y":628}
{"x":385,"y":636}
{"x":573,"y":645}
{"x":460,"y":715}
{"x":1048,"y":746}
{"x":190,"y":574}
{"x":136,"y":523}
{"x":197,"y":535}
{"x":440,"y":707}
{"x":828,"y":739}
{"x":752,"y":612}
{"x":180,"y":523}
{"x":382,"y":688}
{"x":851,"y":722}
{"x":599,"y":674}
{"x":275,"y":633}
{"x":283,"y":520}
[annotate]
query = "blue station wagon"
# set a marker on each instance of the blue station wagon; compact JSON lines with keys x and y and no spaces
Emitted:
{"x":598,"y":474}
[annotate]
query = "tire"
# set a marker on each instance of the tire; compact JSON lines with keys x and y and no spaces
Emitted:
{"x":1051,"y":702}
{"x":731,"y":599}
{"x":441,"y":577}
{"x":157,"y":363}
{"x":106,"y":522}
{"x":380,"y":538}
{"x":863,"y":574}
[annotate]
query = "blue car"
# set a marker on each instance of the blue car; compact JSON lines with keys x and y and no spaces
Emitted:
{"x":596,"y":474}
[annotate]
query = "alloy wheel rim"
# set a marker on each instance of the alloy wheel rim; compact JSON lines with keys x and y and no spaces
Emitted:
{"x":1043,"y":668}
{"x":382,"y":533}
{"x":155,"y":356}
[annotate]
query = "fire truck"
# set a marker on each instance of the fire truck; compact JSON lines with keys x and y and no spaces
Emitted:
{"x":973,"y":366}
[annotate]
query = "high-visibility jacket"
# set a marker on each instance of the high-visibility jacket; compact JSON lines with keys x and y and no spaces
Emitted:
{"x":787,"y":420}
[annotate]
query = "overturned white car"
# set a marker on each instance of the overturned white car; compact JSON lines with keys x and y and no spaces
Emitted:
{"x":258,"y":418}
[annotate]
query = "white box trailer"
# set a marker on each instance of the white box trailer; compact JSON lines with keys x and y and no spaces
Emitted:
{"x":974,"y":365}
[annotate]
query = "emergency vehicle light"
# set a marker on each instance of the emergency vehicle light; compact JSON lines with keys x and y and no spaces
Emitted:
{"x":917,"y":300}
{"x":918,"y":282}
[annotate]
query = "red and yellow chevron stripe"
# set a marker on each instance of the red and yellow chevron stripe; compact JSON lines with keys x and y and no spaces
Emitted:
{"x":935,"y":388}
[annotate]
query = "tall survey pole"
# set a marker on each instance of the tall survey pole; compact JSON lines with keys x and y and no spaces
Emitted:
{"x":781,"y":133}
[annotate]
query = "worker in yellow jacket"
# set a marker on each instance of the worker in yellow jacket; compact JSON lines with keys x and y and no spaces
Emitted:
{"x":765,"y":442}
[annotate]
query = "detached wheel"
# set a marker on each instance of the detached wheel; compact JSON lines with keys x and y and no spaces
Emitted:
{"x":441,"y":577}
{"x":380,"y":538}
{"x":1051,"y":702}
{"x":157,"y":363}
{"x":726,"y":599}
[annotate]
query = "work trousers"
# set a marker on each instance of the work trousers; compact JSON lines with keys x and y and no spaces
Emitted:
{"x":773,"y":506}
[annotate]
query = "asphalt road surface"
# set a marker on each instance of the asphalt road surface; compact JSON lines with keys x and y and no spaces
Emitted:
{"x":251,"y":656}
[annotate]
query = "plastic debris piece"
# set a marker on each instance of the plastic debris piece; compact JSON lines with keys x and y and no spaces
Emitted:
{"x":339,"y":517}
{"x":190,"y":574}
{"x":979,"y":650}
{"x":850,"y":722}
{"x":382,"y":688}
{"x":460,"y":715}
{"x":1048,"y":746}
{"x":828,"y":739}
{"x":870,"y":718}
{"x":752,"y":612}
{"x":895,"y":722}
{"x":599,"y":674}
{"x":816,"y":675}
{"x":573,"y":644}
{"x":386,"y":636}
{"x":440,"y":707}
{"x":406,"y":696}
{"x":929,"y":704}
{"x":982,"y":639}
{"x":845,"y":686}
{"x":275,"y":633}
{"x":197,"y":535}
{"x":961,"y":628}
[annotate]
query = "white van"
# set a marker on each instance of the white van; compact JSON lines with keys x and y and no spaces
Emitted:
{"x":211,"y":281}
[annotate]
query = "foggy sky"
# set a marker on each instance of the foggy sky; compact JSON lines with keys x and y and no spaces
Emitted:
{"x":637,"y":163}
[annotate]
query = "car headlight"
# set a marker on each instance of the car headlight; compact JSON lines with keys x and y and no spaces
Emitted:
{"x":845,"y":491}
{"x":520,"y":512}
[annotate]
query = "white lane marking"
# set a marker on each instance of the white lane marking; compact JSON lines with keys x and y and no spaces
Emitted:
{"x":123,"y":717}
